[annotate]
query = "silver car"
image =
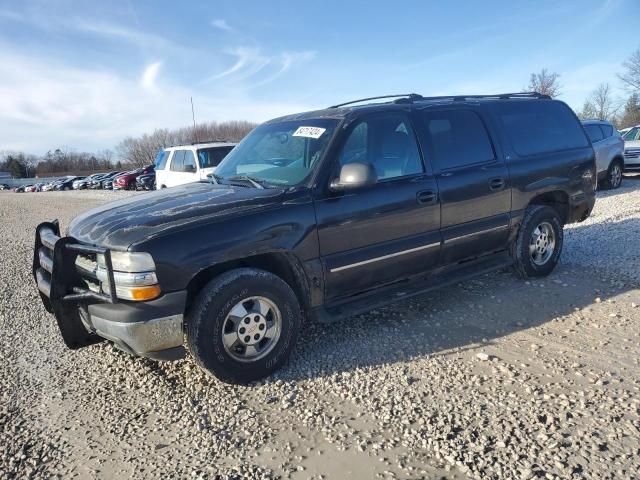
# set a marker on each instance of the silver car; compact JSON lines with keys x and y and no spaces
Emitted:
{"x":632,"y":150}
{"x":609,"y":148}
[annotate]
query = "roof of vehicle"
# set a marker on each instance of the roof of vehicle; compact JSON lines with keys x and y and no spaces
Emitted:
{"x":209,"y":144}
{"x":347,"y":109}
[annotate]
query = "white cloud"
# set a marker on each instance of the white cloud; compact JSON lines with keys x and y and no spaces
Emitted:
{"x":150,"y":74}
{"x":222,"y":24}
{"x":90,"y":109}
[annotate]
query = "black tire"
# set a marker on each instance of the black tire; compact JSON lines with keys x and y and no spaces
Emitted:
{"x":613,"y":179}
{"x":207,"y":318}
{"x":535,"y":217}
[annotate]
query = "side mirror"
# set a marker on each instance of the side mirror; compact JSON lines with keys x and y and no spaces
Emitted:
{"x":354,"y":175}
{"x":189,"y":168}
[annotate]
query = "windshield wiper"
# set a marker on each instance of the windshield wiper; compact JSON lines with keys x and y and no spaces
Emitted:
{"x":214,"y":178}
{"x":256,"y":182}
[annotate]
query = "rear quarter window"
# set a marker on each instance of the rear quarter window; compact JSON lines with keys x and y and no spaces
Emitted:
{"x":539,"y":126}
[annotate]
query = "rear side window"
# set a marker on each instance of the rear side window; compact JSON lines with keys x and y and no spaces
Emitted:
{"x":607,"y":130}
{"x":457,"y":138}
{"x":211,"y":157}
{"x":594,"y":132}
{"x":539,"y":126}
{"x":177,"y":160}
{"x":161,"y":159}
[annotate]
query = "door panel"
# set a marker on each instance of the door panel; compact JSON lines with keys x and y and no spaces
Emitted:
{"x":378,"y":235}
{"x":386,"y":232}
{"x":473,"y":182}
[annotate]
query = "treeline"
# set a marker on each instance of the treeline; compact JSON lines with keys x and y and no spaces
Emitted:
{"x":132,"y":152}
{"x":140,"y":151}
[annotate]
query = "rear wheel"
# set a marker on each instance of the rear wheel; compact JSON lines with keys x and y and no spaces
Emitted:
{"x":537,"y":248}
{"x":614,"y":175}
{"x":243,"y":325}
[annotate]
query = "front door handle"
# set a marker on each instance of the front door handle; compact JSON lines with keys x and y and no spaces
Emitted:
{"x":496,"y":183}
{"x":427,"y":197}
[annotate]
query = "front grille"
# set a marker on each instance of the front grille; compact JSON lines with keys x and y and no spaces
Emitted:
{"x":67,"y":271}
{"x":632,"y":154}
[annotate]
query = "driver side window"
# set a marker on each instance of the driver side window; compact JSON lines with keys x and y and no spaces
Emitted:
{"x":387,"y":142}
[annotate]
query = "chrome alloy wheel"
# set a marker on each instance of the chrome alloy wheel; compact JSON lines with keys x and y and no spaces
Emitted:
{"x":615,"y":176}
{"x":542,"y":243}
{"x":251,"y":329}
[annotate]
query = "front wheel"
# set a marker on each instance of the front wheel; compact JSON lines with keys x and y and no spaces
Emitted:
{"x":537,"y":248}
{"x":243,"y":325}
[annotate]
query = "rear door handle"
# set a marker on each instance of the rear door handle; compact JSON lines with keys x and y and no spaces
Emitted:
{"x":427,"y":197}
{"x":496,"y":183}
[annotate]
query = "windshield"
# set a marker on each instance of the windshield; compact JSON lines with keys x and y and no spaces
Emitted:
{"x":279,"y":153}
{"x":632,"y":134}
{"x":211,"y":157}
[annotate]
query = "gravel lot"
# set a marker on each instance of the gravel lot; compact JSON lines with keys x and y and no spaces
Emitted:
{"x":493,"y":378}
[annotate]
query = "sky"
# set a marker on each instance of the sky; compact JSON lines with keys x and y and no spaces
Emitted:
{"x":84,"y":75}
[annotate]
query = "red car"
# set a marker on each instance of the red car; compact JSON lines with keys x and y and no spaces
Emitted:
{"x":127,"y":181}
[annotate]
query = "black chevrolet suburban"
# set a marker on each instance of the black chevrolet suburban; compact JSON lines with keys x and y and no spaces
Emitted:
{"x":318,"y":216}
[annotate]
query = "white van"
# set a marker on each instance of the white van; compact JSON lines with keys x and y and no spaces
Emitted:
{"x":189,"y":163}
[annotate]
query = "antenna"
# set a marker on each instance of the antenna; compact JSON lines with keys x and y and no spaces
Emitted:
{"x":193,"y":116}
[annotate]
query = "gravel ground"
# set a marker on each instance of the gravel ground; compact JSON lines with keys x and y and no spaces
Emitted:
{"x":492,"y":378}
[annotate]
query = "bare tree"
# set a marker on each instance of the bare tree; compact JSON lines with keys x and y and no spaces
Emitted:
{"x":631,"y":77}
{"x":600,"y":104}
{"x":545,"y":83}
{"x":140,"y":151}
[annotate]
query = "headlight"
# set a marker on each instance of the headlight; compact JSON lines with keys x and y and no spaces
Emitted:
{"x":133,"y":273}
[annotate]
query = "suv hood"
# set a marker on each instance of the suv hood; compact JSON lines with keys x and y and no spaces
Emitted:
{"x":120,"y":224}
{"x":632,"y":144}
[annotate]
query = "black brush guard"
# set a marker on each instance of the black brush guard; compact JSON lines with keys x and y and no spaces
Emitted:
{"x":61,"y":287}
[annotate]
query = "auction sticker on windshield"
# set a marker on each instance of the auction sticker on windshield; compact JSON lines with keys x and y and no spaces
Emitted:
{"x":309,"y":132}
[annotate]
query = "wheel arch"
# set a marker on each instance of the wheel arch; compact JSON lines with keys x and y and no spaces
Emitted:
{"x":556,"y":199}
{"x":282,"y":264}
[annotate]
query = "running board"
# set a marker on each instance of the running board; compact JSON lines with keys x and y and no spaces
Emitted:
{"x":398,"y":291}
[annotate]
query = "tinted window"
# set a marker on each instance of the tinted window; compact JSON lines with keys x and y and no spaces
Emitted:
{"x":594,"y":132}
{"x":176,"y":160}
{"x":211,"y":157}
{"x":385,"y":141}
{"x":161,"y":159}
{"x":189,"y":159}
{"x":457,"y":138}
{"x":607,"y":130}
{"x":538,"y":126}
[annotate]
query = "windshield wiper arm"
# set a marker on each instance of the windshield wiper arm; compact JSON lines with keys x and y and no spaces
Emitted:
{"x":253,"y":181}
{"x":214,"y":178}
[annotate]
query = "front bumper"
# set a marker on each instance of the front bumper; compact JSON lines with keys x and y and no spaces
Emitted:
{"x":85,"y":316}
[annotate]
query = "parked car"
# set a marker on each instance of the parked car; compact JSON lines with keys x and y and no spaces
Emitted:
{"x":102,"y":181}
{"x":319,"y":216}
{"x":49,"y":186}
{"x":66,"y":183}
{"x":632,"y":150}
{"x":146,"y":182}
{"x":609,"y":149}
{"x":189,"y":163}
{"x":20,"y":188}
{"x":127,"y":181}
{"x":84,"y":182}
{"x":4,"y":186}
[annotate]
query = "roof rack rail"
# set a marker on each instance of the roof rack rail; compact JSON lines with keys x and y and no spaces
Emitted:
{"x":414,"y":97}
{"x":497,"y":96}
{"x":409,"y":96}
{"x":215,"y":140}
